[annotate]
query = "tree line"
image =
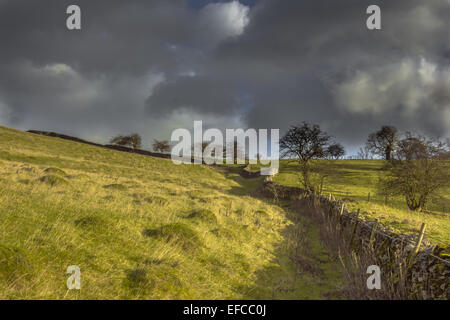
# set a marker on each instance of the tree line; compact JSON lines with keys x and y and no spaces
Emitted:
{"x":163,"y":146}
{"x":135,"y":141}
{"x":415,"y":166}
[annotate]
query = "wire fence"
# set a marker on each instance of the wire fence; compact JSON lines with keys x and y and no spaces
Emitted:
{"x":383,"y":233}
{"x":377,"y":231}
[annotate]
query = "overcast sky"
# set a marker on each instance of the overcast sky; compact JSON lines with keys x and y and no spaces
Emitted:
{"x":154,"y":66}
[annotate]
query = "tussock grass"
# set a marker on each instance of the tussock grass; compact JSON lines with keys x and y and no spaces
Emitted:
{"x":203,"y":215}
{"x":90,"y":222}
{"x":55,"y":171}
{"x":160,"y":201}
{"x":177,"y":233}
{"x":53,"y":180}
{"x":14,"y":263}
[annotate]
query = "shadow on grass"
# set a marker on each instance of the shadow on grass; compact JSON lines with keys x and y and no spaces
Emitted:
{"x":246,"y":186}
{"x":301,"y":267}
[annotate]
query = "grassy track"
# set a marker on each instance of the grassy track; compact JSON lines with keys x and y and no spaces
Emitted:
{"x":142,"y":228}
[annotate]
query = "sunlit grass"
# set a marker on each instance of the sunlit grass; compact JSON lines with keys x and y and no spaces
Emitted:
{"x":139,"y":228}
{"x":355,"y":179}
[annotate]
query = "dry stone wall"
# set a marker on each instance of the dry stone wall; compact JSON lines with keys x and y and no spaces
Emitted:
{"x":427,"y":273}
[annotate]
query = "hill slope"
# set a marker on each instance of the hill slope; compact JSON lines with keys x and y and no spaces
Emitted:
{"x":142,"y":227}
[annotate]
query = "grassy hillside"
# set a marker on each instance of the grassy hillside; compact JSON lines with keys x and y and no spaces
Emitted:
{"x":355,"y":179}
{"x":142,"y":228}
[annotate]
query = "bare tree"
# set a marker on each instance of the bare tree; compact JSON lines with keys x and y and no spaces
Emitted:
{"x":445,"y":150}
{"x":383,"y":142}
{"x":335,"y":150}
{"x":161,"y":146}
{"x":119,"y":140}
{"x":133,"y":140}
{"x":413,"y":148}
{"x":364,"y":153}
{"x":233,"y":150}
{"x":416,"y":171}
{"x":136,"y":141}
{"x":305,"y":142}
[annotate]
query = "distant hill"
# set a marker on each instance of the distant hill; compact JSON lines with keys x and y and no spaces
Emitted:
{"x":109,"y":146}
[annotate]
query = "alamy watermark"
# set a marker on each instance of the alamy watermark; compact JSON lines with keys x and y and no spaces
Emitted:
{"x":74,"y":281}
{"x":73,"y":21}
{"x":239,"y":146}
{"x":374,"y":281}
{"x":373,"y":22}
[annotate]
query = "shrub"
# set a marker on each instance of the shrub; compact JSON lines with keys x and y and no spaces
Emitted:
{"x":179,"y":233}
{"x":133,"y":140}
{"x":204,"y":215}
{"x":90,"y":222}
{"x":53,"y":180}
{"x":415,"y":172}
{"x":161,"y":146}
{"x":56,"y":171}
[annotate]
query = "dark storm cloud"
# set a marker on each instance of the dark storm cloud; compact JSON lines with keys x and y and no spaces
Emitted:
{"x":150,"y":66}
{"x":95,"y":82}
{"x":316,"y":61}
{"x":117,"y":37}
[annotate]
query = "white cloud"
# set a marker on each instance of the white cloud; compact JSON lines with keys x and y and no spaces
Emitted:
{"x":58,"y":68}
{"x":409,"y":85}
{"x":61,"y":99}
{"x":224,"y":20}
{"x":68,"y":88}
{"x":73,"y":91}
{"x":184,"y":118}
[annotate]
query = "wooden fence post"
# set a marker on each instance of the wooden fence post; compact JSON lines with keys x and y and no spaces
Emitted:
{"x":354,"y":228}
{"x":330,"y":211}
{"x":419,"y":240}
{"x":372,"y":233}
{"x":418,"y":243}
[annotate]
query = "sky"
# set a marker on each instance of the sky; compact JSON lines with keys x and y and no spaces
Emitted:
{"x":154,"y":66}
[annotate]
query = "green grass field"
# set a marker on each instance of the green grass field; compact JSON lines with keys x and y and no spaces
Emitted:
{"x":355,"y":179}
{"x":143,"y":228}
